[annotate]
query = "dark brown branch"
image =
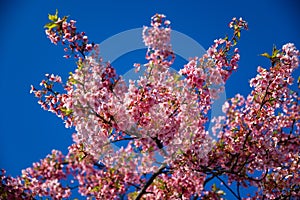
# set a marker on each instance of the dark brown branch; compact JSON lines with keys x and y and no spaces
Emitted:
{"x":123,"y":139}
{"x":238,"y":190}
{"x":265,"y":95}
{"x":234,"y":194}
{"x":207,"y":180}
{"x":149,"y":182}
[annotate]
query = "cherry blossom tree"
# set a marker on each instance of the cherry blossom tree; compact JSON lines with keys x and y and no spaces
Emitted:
{"x":161,"y":119}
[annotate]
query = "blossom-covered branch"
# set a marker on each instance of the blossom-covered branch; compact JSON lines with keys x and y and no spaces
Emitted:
{"x":161,"y":120}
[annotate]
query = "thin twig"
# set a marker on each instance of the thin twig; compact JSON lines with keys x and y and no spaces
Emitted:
{"x":238,"y":190}
{"x":229,"y":188}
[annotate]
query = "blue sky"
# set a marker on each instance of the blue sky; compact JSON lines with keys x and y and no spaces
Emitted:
{"x":28,"y":133}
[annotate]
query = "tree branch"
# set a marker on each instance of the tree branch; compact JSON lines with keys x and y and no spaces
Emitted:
{"x":149,"y":182}
{"x":229,"y":188}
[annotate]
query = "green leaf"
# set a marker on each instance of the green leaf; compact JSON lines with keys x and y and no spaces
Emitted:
{"x":161,"y":184}
{"x":177,"y":77}
{"x":214,"y":187}
{"x":95,"y":189}
{"x":234,"y":41}
{"x":226,"y":38}
{"x":50,"y":25}
{"x":238,"y":34}
{"x":221,"y":145}
{"x":234,"y":129}
{"x":274,"y":51}
{"x":72,"y":80}
{"x":265,"y":55}
{"x":272,"y":99}
{"x":26,"y":181}
{"x":81,"y":156}
{"x":179,"y":151}
{"x":66,"y":111}
{"x":53,"y":18}
{"x":133,"y":195}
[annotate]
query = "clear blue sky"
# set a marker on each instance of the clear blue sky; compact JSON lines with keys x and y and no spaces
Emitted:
{"x":27,"y":133}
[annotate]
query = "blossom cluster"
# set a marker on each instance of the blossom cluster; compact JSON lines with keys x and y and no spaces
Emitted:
{"x":259,"y":138}
{"x":61,"y":30}
{"x":157,"y":39}
{"x":161,"y":120}
{"x":209,"y":73}
{"x":51,"y":100}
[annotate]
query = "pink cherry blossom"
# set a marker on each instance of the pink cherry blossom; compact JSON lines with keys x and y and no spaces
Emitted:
{"x":163,"y":117}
